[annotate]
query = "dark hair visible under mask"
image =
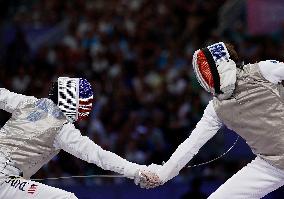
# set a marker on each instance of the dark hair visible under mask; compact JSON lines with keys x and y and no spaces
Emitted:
{"x":234,"y":55}
{"x":53,"y":92}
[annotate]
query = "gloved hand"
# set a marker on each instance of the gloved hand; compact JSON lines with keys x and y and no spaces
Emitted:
{"x":148,"y":178}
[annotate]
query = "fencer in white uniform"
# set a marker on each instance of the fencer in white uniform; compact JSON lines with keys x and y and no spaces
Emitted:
{"x":39,"y":129}
{"x":248,"y":100}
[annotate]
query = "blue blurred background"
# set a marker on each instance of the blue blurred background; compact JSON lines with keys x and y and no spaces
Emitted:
{"x":137,"y":55}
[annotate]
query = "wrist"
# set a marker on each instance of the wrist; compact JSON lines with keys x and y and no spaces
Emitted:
{"x":132,"y":170}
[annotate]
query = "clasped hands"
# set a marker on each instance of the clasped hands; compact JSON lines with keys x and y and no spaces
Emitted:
{"x":148,"y":178}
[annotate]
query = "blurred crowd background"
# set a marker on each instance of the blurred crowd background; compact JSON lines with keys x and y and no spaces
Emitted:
{"x":137,"y":55}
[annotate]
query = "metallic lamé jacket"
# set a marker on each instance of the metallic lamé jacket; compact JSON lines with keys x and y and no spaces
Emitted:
{"x":28,"y":136}
{"x":256,"y":113}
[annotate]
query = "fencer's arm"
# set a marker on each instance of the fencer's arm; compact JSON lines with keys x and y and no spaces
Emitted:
{"x":9,"y":101}
{"x":272,"y":71}
{"x":205,"y":129}
{"x":70,"y":140}
{"x":278,"y":72}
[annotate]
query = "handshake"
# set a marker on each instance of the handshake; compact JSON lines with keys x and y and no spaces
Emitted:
{"x":148,"y":178}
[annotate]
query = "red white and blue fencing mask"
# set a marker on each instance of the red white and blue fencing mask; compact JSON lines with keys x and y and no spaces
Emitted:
{"x":215,"y":71}
{"x":75,"y":98}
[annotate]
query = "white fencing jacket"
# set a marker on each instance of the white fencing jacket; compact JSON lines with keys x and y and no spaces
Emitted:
{"x":38,"y":130}
{"x":207,"y":127}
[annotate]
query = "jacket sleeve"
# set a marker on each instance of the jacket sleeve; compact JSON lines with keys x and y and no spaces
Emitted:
{"x":205,"y":129}
{"x":272,"y":70}
{"x":9,"y":101}
{"x":70,"y":140}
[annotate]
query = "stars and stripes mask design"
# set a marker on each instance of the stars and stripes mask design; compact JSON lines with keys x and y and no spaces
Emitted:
{"x":215,"y":71}
{"x":75,"y":98}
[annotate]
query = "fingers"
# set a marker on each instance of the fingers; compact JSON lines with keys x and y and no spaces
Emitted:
{"x":149,"y":180}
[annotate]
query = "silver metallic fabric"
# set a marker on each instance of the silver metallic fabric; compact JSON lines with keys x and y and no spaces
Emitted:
{"x":256,"y":112}
{"x":28,"y":136}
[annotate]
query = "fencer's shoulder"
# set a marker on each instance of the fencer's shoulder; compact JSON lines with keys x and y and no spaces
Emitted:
{"x":69,"y":126}
{"x":269,"y":63}
{"x":272,"y":70}
{"x":210,"y":108}
{"x":210,"y":114}
{"x":27,"y":101}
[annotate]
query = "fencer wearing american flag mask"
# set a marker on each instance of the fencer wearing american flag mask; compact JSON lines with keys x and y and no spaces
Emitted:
{"x":39,"y":129}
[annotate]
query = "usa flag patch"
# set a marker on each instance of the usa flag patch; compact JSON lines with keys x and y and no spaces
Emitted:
{"x":32,"y":189}
{"x":219,"y":52}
